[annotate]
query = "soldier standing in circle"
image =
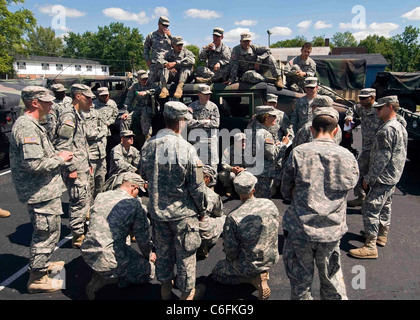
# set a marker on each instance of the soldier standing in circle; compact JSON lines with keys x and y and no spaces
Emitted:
{"x":36,"y":176}
{"x":71,"y":136}
{"x":177,"y":198}
{"x":250,"y":239}
{"x":387,"y":160}
{"x":248,"y":63}
{"x":60,"y":102}
{"x":317,"y":178}
{"x":157,"y":43}
{"x":217,"y":56}
{"x":106,"y":107}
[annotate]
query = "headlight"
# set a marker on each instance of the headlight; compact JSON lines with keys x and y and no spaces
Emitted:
{"x":414,"y":124}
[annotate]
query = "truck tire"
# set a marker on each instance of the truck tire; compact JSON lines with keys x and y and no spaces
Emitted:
{"x":408,"y":103}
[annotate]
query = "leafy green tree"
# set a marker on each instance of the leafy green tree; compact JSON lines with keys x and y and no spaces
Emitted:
{"x":43,"y":42}
{"x":13,"y":27}
{"x":298,"y":41}
{"x":318,"y":41}
{"x":344,"y":39}
{"x":196,"y":50}
{"x":378,"y":44}
{"x":407,"y":49}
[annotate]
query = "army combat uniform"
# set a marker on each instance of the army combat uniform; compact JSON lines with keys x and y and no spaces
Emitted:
{"x":308,"y":66}
{"x":109,"y":112}
{"x":185,"y":61}
{"x":316,"y":179}
{"x":221,"y":55}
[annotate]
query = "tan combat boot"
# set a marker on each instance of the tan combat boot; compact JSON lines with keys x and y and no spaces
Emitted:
{"x":260,"y":282}
{"x":382,"y":236}
{"x":96,"y":283}
{"x":4,"y":213}
{"x":202,"y":80}
{"x":368,"y":251}
{"x":55,"y":266}
{"x":179,"y":90}
{"x":166,"y":289}
{"x":77,"y":241}
{"x":195,"y":294}
{"x":356,"y":202}
{"x":39,"y":282}
{"x":164,"y":93}
{"x":279,"y":82}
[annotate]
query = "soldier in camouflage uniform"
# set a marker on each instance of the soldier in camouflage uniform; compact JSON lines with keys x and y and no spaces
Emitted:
{"x":177,"y":198}
{"x":58,"y":104}
{"x":104,"y":249}
{"x":106,"y":107}
{"x":302,"y":112}
{"x":387,"y":160}
{"x":249,"y":63}
{"x":250,"y":239}
{"x":370,"y":124}
{"x":138,"y":109}
{"x":157,"y":43}
{"x":176,"y":66}
{"x":304,"y":134}
{"x":317,"y":178}
{"x":205,"y":116}
{"x":273,"y":152}
{"x":36,"y":176}
{"x":217,"y":57}
{"x":71,"y":136}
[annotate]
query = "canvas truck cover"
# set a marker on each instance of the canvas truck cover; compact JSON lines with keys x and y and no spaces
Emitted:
{"x":403,"y":81}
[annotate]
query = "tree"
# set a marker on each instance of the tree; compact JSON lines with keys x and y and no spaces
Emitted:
{"x":13,"y":28}
{"x":195,"y":50}
{"x":43,"y":42}
{"x":407,"y":50}
{"x":378,"y":44}
{"x":318,"y":41}
{"x":345,"y":39}
{"x":298,"y":41}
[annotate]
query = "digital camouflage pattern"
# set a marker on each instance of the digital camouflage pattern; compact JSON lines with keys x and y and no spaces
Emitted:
{"x":211,"y":225}
{"x":301,"y":113}
{"x":114,"y":215}
{"x":122,"y":160}
{"x":185,"y":61}
{"x":155,"y":44}
{"x":109,"y":112}
{"x":308,"y":66}
{"x":52,"y":117}
{"x":221,"y":55}
{"x":304,"y":135}
{"x":231,"y":157}
{"x":250,"y":241}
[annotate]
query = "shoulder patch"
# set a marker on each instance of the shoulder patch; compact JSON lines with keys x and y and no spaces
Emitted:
{"x":269,"y":141}
{"x":199,"y":164}
{"x":69,"y":123}
{"x":30,"y":140}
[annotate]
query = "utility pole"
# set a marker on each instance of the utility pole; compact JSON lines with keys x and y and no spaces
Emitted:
{"x":269,"y":34}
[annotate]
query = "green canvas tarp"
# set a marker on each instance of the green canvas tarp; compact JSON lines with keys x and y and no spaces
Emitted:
{"x":409,"y":81}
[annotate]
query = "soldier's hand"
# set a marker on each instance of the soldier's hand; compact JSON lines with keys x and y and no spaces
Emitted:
{"x":141,"y":93}
{"x":348,"y":121}
{"x":90,"y":170}
{"x":73,"y":175}
{"x":149,"y":62}
{"x":66,"y":155}
{"x":216,"y":67}
{"x":167,"y":32}
{"x":124,"y":116}
{"x":152,"y":257}
{"x":256,"y":66}
{"x":365,"y":185}
{"x":285,"y":139}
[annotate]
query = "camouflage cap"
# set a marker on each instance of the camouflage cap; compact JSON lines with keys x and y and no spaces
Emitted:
{"x":311,"y":82}
{"x":36,"y":93}
{"x":58,"y":87}
{"x":177,"y":40}
{"x":245,"y":182}
{"x":265,"y":109}
{"x":133,"y":178}
{"x":176,"y":110}
{"x":84,"y":89}
{"x":271,"y":97}
{"x":245,"y":36}
{"x":211,"y":173}
{"x":322,"y":101}
{"x":239,"y":136}
{"x":326,"y":111}
{"x":144,"y":76}
{"x":140,"y":72}
{"x":204,"y":89}
{"x":218,"y":32}
{"x":164,"y":20}
{"x":103,"y":91}
{"x":367,"y":92}
{"x":126,"y":133}
{"x":386,"y":100}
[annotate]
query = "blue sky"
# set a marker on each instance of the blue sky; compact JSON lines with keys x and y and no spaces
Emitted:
{"x":195,"y":19}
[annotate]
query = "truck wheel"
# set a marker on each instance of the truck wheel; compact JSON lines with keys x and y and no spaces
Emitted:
{"x":408,"y":103}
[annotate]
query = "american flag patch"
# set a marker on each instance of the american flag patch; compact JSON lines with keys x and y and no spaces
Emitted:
{"x":69,"y":123}
{"x":269,"y":141}
{"x":30,"y":140}
{"x":199,"y":164}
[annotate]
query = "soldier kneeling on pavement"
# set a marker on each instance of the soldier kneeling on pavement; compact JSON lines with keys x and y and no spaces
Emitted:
{"x":104,"y":249}
{"x":257,"y":221}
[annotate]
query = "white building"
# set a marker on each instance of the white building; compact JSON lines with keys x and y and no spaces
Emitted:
{"x":38,"y":67}
{"x":282,"y":54}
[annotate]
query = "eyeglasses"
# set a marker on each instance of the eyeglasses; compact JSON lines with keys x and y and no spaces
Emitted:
{"x":380,"y":108}
{"x":272,"y":116}
{"x":363,"y":98}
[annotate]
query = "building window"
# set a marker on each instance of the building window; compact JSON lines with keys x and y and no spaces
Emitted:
{"x":78,"y":67}
{"x":104,"y":69}
{"x":89,"y":68}
{"x":21,"y":65}
{"x":45,"y":66}
{"x":59,"y":67}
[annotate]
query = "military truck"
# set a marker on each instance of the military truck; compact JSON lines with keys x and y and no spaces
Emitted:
{"x":413,"y":130}
{"x":405,"y":85}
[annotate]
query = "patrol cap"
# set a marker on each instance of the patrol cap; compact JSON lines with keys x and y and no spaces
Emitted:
{"x":103,"y":91}
{"x":133,"y":178}
{"x":239,"y":136}
{"x":177,"y":40}
{"x":245,"y":36}
{"x":367,"y":92}
{"x":126,"y":133}
{"x":385,"y":100}
{"x":144,"y":76}
{"x":204,"y":89}
{"x":265,"y":109}
{"x":140,"y":72}
{"x":164,"y":20}
{"x":271,"y":97}
{"x":58,"y":87}
{"x":176,"y":110}
{"x":218,"y":32}
{"x":322,"y":101}
{"x":36,"y":93}
{"x":311,"y":82}
{"x":326,"y":111}
{"x":84,"y":89}
{"x":245,"y":182}
{"x":209,"y":171}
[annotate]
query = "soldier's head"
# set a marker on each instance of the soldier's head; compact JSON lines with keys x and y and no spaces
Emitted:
{"x":367,"y":97}
{"x":271,"y":100}
{"x":127,"y":138}
{"x":82,"y":97}
{"x":311,"y":86}
{"x":218,"y":36}
{"x":143,"y":77}
{"x":321,"y":102}
{"x":325,"y":122}
{"x":163,"y":24}
{"x":177,"y":44}
{"x":103,"y":94}
{"x":245,"y":41}
{"x":210,"y":176}
{"x":306,"y":50}
{"x":239,"y":141}
{"x":37,"y":100}
{"x":176,"y":115}
{"x":204,"y":93}
{"x":266,"y":115}
{"x":387,"y":107}
{"x":244,"y":184}
{"x":59,"y":91}
{"x":131,"y":183}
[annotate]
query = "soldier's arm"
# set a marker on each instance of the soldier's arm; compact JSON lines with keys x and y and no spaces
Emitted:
{"x":141,"y":231}
{"x":202,"y":56}
{"x":288,"y":178}
{"x":234,"y":63}
{"x":121,"y":163}
{"x":111,"y":120}
{"x":147,"y":48}
{"x":287,"y":127}
{"x":188,"y":60}
{"x":65,"y":135}
{"x":226,"y":160}
{"x":195,"y":182}
{"x":129,"y":99}
{"x":230,"y":242}
{"x":226,"y":54}
{"x":262,"y":53}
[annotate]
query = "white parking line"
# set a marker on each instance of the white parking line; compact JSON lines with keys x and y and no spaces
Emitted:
{"x":22,"y":271}
{"x":6,"y":172}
